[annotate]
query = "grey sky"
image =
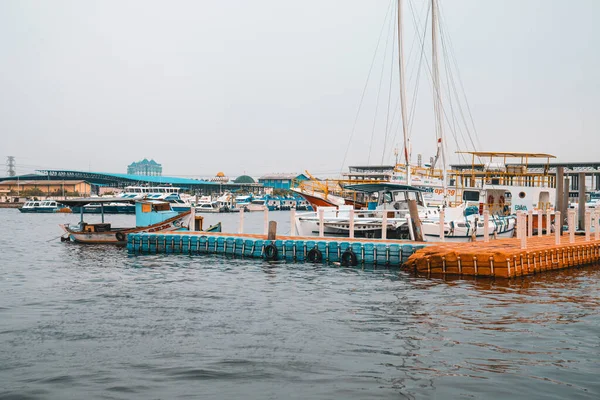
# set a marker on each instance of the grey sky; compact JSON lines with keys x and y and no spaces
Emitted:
{"x":273,"y":86}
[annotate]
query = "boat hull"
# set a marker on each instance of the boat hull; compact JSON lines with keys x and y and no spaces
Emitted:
{"x":38,"y":210}
{"x":118,"y":236}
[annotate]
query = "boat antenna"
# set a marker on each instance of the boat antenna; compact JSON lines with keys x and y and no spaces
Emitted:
{"x":403,"y":94}
{"x":437,"y":99}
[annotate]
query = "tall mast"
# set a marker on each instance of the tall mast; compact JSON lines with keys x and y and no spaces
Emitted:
{"x":437,"y":98}
{"x":403,"y":94}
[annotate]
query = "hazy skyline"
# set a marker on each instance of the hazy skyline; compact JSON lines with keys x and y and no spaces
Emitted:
{"x":274,"y":86}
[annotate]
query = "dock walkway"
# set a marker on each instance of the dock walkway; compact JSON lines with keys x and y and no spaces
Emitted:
{"x":391,"y":253}
{"x":504,"y":257}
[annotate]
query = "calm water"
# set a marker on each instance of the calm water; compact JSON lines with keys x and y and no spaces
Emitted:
{"x":91,"y":322}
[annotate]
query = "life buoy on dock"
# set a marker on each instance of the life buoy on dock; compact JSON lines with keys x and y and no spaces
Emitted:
{"x":490,"y":199}
{"x":120,"y":236}
{"x":314,"y":256}
{"x":348,"y":258}
{"x":271,"y":252}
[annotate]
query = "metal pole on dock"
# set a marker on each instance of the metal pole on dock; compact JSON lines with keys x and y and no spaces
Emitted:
{"x":292,"y":222}
{"x":557,"y":217}
{"x":518,"y":228}
{"x":102,"y":209}
{"x":523,"y":229}
{"x":549,"y":222}
{"x":571,"y":221}
{"x":442,"y":225}
{"x":486,"y":228}
{"x":192,"y":225}
{"x":384,"y":223}
{"x":588,"y":225}
{"x":241,"y":228}
{"x":596,"y":225}
{"x":560,"y":188}
{"x":530,"y":223}
{"x":565,"y":203}
{"x":539,"y":222}
{"x":416,"y":221}
{"x":266,"y":215}
{"x":351,"y":223}
{"x":321,"y":222}
{"x":581,"y":201}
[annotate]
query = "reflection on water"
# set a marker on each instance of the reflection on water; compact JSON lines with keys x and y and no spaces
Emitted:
{"x":93,"y":322}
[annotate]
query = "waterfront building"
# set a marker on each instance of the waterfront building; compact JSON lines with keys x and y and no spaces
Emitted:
{"x":54,"y":188}
{"x":281,"y":181}
{"x":145,"y":167}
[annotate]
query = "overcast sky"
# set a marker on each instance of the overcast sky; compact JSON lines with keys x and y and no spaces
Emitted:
{"x":260,"y":86}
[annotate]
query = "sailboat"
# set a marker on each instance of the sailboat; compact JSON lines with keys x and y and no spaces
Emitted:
{"x":388,"y":215}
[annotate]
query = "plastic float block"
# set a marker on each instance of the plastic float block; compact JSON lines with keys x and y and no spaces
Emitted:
{"x":289,"y":249}
{"x":203,"y":244}
{"x":194,"y":244}
{"x":212,"y":244}
{"x":152,"y":242}
{"x":229,"y":245}
{"x":333,"y":252}
{"x":369,"y":250}
{"x":160,"y":243}
{"x":382,"y":256}
{"x":239,"y":246}
{"x":258,"y":248}
{"x":248,"y":247}
{"x":359,"y":251}
{"x":220,"y":245}
{"x":145,"y":247}
{"x":394,"y":254}
{"x":185,"y":245}
{"x":300,"y":250}
{"x":280,"y":248}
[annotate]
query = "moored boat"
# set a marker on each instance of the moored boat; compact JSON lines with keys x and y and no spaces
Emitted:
{"x":151,"y":216}
{"x":43,"y":206}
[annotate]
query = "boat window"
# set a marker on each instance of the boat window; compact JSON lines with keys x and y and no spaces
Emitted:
{"x":469,"y":195}
{"x":399,"y":196}
{"x":387,"y":197}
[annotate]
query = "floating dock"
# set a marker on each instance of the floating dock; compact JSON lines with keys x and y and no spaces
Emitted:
{"x":505,"y":258}
{"x":289,"y":248}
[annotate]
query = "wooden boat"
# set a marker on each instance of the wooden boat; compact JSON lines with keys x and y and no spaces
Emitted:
{"x":151,"y":216}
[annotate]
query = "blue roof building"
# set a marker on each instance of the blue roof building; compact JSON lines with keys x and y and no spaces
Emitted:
{"x":281,"y":181}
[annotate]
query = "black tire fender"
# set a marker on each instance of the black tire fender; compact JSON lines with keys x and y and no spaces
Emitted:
{"x":271,"y":252}
{"x":120,"y":236}
{"x":315,"y":256}
{"x":348,"y":258}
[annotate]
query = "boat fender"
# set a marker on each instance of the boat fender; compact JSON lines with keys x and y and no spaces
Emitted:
{"x":120,"y":236}
{"x":314,"y":256}
{"x":349,"y":259}
{"x":65,"y":239}
{"x":271,"y":252}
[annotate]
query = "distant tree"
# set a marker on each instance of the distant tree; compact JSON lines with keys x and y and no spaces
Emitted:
{"x":32,"y":192}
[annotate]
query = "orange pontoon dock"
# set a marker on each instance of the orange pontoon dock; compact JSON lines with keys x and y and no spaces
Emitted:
{"x":505,"y":258}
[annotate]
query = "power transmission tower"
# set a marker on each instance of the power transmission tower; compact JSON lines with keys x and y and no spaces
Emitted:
{"x":10,"y":166}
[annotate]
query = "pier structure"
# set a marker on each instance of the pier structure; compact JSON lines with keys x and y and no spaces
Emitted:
{"x":346,"y":251}
{"x":526,"y":254}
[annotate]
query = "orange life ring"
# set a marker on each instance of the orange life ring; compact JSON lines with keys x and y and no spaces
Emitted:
{"x":490,"y":199}
{"x":501,"y":201}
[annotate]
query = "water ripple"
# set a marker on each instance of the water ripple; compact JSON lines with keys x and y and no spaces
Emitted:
{"x":93,"y":322}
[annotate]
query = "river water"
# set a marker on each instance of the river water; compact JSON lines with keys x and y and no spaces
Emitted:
{"x":92,"y":322}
